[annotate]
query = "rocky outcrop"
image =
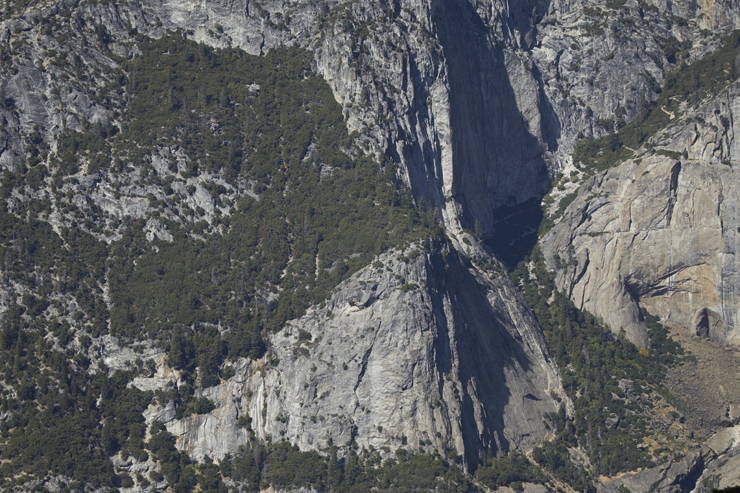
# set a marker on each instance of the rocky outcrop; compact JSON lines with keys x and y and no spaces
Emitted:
{"x":474,"y":101}
{"x":429,"y":353}
{"x":659,"y":231}
{"x":478,"y":103}
{"x":420,"y":350}
{"x":675,"y":476}
{"x":427,"y":84}
{"x":724,"y":471}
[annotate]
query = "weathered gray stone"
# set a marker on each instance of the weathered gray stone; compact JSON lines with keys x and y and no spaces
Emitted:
{"x":675,"y":476}
{"x":118,"y":358}
{"x":445,"y":359}
{"x":660,"y":232}
{"x":724,"y":440}
{"x":474,"y":101}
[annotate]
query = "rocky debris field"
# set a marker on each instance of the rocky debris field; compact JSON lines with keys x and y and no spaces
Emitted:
{"x":707,"y":385}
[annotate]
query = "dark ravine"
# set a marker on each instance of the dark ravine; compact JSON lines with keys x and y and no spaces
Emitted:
{"x":475,"y":107}
{"x":496,"y":160}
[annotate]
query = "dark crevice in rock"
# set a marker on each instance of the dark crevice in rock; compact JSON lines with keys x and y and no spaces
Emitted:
{"x":482,"y":341}
{"x":514,"y":231}
{"x":365,"y":358}
{"x":577,"y":276}
{"x":672,"y":190}
{"x":710,"y":325}
{"x":550,"y":126}
{"x":496,"y":160}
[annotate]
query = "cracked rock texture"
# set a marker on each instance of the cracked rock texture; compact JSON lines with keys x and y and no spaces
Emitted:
{"x":675,"y":476}
{"x":479,"y":103}
{"x":475,"y":101}
{"x":724,"y":472}
{"x":661,"y":232}
{"x":418,"y":351}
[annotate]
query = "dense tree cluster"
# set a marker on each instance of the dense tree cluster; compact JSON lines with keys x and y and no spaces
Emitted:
{"x":591,"y":362}
{"x":312,"y":217}
{"x":294,"y":215}
{"x":283,"y":466}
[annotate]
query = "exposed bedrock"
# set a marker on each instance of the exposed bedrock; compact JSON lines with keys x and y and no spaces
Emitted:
{"x":661,"y":232}
{"x":419,"y":351}
{"x":497,"y":158}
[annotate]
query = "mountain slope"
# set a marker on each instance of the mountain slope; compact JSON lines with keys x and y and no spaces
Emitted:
{"x":226,"y":225}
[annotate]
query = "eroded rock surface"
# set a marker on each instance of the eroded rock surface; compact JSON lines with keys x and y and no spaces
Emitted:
{"x":675,"y":476}
{"x":476,"y":102}
{"x":660,"y":231}
{"x":418,"y":351}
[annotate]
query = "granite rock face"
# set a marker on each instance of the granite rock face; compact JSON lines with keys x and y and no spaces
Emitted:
{"x":479,"y":104}
{"x":676,"y":476}
{"x":601,"y":62}
{"x":419,"y":350}
{"x":447,"y":358}
{"x":429,"y":85}
{"x":724,"y":471}
{"x":660,"y":232}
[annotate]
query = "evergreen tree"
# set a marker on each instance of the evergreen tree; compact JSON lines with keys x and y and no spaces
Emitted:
{"x":334,"y":470}
{"x":179,"y":356}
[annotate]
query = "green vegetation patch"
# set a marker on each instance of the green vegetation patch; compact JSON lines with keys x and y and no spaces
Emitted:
{"x":511,"y":470}
{"x":687,"y":83}
{"x":65,"y":415}
{"x":313,"y":216}
{"x":264,"y":123}
{"x":284,"y":466}
{"x":607,"y":424}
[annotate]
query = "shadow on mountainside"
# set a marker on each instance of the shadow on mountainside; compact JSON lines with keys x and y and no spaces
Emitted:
{"x":494,"y":368}
{"x":514,"y":232}
{"x":496,"y":160}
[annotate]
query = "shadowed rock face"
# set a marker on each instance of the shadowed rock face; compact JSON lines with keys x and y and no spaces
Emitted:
{"x":674,"y":476}
{"x":661,"y":232}
{"x":496,"y":160}
{"x":444,"y":359}
{"x":447,"y":359}
{"x":440,"y":91}
{"x":465,"y":121}
{"x":474,"y":101}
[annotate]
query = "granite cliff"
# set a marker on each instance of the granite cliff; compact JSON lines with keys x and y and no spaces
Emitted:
{"x":658,"y":231}
{"x":474,"y":109}
{"x":446,"y":358}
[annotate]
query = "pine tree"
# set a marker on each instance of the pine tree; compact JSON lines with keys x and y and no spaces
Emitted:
{"x":351,"y":468}
{"x":178,"y":357}
{"x":335,"y":470}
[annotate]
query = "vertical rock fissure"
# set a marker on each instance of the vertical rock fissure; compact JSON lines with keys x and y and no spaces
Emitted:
{"x":672,"y":192}
{"x":577,"y":276}
{"x":363,"y":365}
{"x":496,"y":160}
